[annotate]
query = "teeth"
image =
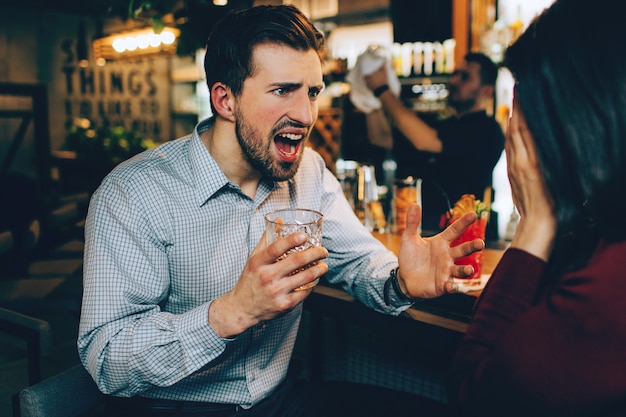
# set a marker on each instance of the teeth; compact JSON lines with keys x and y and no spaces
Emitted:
{"x":292,"y":136}
{"x":293,"y":149}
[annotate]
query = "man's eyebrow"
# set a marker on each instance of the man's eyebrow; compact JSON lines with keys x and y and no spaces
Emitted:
{"x":296,"y":85}
{"x":287,"y":85}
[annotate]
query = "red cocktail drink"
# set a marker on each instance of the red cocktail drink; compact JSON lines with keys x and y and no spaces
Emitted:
{"x":475,"y":230}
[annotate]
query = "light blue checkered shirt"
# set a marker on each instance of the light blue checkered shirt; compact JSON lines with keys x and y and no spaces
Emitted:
{"x":166,"y":234}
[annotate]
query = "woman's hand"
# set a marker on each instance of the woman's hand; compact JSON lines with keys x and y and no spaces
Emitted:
{"x":537,"y":227}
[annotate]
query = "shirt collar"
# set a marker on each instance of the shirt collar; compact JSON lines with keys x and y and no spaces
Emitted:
{"x":208,"y":175}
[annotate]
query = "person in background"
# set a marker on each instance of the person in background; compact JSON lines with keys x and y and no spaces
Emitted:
{"x":548,"y":334}
{"x":185,"y":309}
{"x":453,"y":156}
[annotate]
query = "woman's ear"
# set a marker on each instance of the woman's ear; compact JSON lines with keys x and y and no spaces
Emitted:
{"x":221,"y":97}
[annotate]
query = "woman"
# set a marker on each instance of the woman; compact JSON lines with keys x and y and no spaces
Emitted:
{"x":548,"y":336}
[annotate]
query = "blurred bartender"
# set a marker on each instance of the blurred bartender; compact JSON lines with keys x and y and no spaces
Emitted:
{"x":453,"y":156}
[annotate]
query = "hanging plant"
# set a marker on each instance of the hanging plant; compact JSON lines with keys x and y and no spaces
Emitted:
{"x":104,"y":147}
{"x":153,"y":11}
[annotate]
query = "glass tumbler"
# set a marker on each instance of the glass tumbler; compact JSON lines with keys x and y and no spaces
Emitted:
{"x":281,"y":223}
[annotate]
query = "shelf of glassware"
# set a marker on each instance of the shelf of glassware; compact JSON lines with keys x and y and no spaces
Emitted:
{"x":425,"y":93}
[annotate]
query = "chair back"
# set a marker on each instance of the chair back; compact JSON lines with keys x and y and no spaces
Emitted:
{"x":72,"y":393}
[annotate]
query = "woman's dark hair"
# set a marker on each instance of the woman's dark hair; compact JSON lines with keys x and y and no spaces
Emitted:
{"x":233,"y":38}
{"x":570,"y":73}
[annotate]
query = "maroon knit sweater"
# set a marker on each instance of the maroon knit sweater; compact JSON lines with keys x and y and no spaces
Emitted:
{"x":564,"y":355}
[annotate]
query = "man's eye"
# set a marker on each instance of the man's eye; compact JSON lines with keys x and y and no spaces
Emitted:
{"x":463,"y":75}
{"x":313,"y":93}
{"x":281,"y":91}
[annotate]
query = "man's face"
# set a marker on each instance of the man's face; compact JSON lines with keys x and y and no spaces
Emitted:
{"x":277,"y":107}
{"x":465,"y":86}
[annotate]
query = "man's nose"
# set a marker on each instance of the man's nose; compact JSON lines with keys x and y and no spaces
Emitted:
{"x":304,"y":110}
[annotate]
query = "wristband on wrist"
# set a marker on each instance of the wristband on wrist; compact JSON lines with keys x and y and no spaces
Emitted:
{"x":379,"y":90}
{"x":392,"y":281}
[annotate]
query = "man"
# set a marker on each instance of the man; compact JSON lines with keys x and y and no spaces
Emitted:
{"x":453,"y":157}
{"x":185,"y":308}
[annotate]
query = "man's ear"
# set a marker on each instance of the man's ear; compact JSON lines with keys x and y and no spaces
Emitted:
{"x":488,"y":91}
{"x":222,"y":99}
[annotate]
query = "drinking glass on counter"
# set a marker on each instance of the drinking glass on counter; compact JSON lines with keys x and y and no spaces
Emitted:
{"x":347,"y":172}
{"x":281,"y":223}
{"x":359,"y":185}
{"x":368,"y":206}
{"x":406,"y":191}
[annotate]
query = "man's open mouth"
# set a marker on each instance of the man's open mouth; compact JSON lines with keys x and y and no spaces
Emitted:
{"x":288,"y":146}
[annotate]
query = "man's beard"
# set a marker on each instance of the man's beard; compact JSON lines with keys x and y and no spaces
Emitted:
{"x":258,"y":152}
{"x":462,"y":105}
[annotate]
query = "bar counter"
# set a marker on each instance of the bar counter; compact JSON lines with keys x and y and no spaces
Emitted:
{"x":343,"y":339}
{"x":451,"y":311}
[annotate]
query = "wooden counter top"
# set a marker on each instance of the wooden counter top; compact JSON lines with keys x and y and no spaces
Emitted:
{"x":451,"y":311}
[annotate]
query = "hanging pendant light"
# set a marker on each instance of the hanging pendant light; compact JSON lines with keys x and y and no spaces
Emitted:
{"x":137,"y":44}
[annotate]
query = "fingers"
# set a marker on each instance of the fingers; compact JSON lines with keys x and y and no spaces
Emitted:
{"x":300,"y":266}
{"x":519,"y":144}
{"x":467,"y":248}
{"x":515,"y":148}
{"x":462,"y":271}
{"x":451,"y":287}
{"x":453,"y":231}
{"x":458,"y":271}
{"x":413,"y":219}
{"x":304,"y":278}
{"x":298,"y":262}
{"x":381,"y":73}
{"x":514,"y":158}
{"x":376,"y":78}
{"x":282,"y":245}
